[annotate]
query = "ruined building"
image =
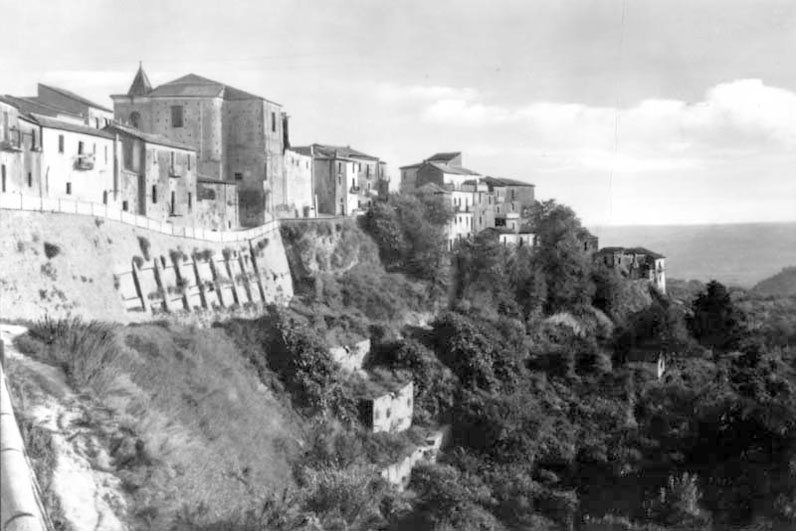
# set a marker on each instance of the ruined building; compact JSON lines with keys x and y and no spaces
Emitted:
{"x":239,"y":137}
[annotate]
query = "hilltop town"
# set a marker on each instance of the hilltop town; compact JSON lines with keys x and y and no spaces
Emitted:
{"x":198,"y":155}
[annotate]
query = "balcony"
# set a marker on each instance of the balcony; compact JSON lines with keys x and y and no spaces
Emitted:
{"x":175,"y":173}
{"x":10,"y":145}
{"x":85,"y":161}
{"x":355,"y":189}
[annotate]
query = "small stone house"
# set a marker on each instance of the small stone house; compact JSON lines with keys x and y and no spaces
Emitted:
{"x":636,"y":263}
{"x":390,"y":410}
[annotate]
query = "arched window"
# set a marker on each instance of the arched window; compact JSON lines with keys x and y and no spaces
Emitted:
{"x":135,"y":118}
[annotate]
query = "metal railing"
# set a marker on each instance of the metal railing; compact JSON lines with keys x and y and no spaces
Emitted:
{"x":68,"y":206}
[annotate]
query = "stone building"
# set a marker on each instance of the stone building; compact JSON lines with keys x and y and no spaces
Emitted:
{"x":158,"y":176}
{"x":389,"y":409}
{"x":511,"y":196}
{"x":239,"y":136}
{"x":345,"y":181}
{"x":635,"y":263}
{"x":20,"y":151}
{"x":216,"y":204}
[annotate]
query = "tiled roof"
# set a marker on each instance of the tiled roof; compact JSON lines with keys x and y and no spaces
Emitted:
{"x":32,"y":105}
{"x":630,"y":250}
{"x":76,"y":97}
{"x":51,"y":123}
{"x":198,"y":86}
{"x":149,"y":137}
{"x":456,"y":170}
{"x":329,"y":151}
{"x":433,"y":188}
{"x":444,"y":157}
{"x":303,"y":150}
{"x":500,"y":181}
{"x":411,"y":166}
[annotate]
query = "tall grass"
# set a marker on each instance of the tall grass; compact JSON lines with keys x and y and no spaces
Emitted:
{"x":81,"y":348}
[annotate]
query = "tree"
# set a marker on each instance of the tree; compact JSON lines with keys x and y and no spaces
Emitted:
{"x":716,"y":322}
{"x":560,"y":258}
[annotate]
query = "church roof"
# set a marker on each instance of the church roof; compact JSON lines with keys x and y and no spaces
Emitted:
{"x":193,"y":85}
{"x":141,"y":85}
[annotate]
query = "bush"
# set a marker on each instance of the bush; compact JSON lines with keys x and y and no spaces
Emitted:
{"x":81,"y":349}
{"x":51,"y":250}
{"x":145,"y":246}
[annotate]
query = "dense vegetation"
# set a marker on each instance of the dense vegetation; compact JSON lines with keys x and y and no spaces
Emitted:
{"x":542,"y":363}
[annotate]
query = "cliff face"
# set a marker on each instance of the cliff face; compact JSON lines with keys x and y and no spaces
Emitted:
{"x":60,"y":264}
{"x":326,"y":247}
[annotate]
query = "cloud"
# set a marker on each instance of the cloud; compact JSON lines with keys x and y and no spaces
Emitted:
{"x":734,"y":119}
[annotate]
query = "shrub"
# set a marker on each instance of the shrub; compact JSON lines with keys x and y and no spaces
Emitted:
{"x":81,"y":349}
{"x":145,"y":246}
{"x":51,"y":250}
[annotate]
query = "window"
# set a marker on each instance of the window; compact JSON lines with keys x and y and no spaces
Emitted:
{"x":125,"y":205}
{"x":5,"y":125}
{"x":97,"y":122}
{"x":273,"y":122}
{"x":190,"y":200}
{"x":189,"y":161}
{"x":154,"y":194}
{"x":134,"y":119}
{"x":68,"y":188}
{"x":106,"y":154}
{"x":339,"y":167}
{"x":376,"y":414}
{"x":173,"y":202}
{"x":80,"y":147}
{"x":30,"y":180}
{"x":33,"y":139}
{"x":238,"y":176}
{"x":388,"y":413}
{"x":3,"y":173}
{"x":176,"y":115}
{"x":104,"y":197}
{"x":173,"y":158}
{"x":60,"y":143}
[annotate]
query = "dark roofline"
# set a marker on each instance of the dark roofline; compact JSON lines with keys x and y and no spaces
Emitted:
{"x":150,"y":138}
{"x":208,"y":180}
{"x":76,"y":97}
{"x":19,"y":102}
{"x":502,"y":181}
{"x":52,"y":123}
{"x":630,"y":250}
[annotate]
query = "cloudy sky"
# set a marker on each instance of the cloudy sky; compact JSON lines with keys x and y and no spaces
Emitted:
{"x":635,"y":112}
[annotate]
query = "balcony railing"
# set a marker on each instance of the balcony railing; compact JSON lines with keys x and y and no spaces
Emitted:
{"x":85,"y":162}
{"x":10,"y":145}
{"x":355,"y":189}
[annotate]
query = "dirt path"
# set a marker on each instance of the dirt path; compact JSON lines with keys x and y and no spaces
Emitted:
{"x":90,"y":495}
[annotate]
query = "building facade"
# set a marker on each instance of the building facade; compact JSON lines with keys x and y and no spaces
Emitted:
{"x":391,"y":411}
{"x":78,"y":162}
{"x":239,"y":137}
{"x":293,"y":197}
{"x":158,"y":176}
{"x":635,"y":263}
{"x":345,"y":181}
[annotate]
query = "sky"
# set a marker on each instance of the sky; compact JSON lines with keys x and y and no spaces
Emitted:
{"x":631,"y":112}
